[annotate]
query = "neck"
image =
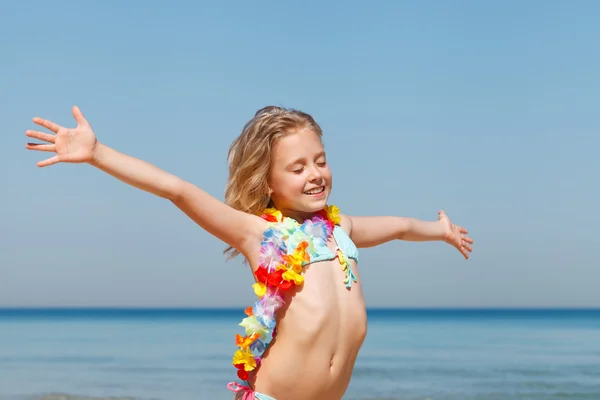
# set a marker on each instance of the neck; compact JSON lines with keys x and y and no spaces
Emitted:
{"x":299,"y":216}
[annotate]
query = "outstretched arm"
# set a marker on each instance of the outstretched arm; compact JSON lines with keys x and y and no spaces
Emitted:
{"x":79,"y":145}
{"x":373,"y":231}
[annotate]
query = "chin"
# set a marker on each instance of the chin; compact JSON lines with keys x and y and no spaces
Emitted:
{"x":317,"y":204}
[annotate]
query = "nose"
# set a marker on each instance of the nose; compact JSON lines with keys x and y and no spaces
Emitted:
{"x":315,"y":174}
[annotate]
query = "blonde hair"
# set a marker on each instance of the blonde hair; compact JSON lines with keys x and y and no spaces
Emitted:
{"x":250,"y":158}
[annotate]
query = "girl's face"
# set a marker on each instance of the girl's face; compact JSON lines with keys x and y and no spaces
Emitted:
{"x":300,"y":179}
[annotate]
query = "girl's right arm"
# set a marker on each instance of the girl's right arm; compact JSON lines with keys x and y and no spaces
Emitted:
{"x":79,"y":145}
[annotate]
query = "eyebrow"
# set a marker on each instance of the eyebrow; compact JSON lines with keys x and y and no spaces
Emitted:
{"x":300,"y":160}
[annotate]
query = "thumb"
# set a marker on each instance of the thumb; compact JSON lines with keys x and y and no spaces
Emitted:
{"x":441,"y":214}
{"x":78,"y":115}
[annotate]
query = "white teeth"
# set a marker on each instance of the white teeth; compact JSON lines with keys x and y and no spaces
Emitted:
{"x":315,"y":191}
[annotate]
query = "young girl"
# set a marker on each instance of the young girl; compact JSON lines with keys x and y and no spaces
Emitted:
{"x":301,"y":337}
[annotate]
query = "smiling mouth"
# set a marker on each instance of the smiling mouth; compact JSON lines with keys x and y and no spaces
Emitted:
{"x":315,"y":191}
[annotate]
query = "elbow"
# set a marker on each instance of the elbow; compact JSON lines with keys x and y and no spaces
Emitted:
{"x":403,"y":227}
{"x":177,"y":191}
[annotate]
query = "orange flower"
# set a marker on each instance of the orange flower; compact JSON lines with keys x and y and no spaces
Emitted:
{"x":241,"y":341}
{"x":272,"y":215}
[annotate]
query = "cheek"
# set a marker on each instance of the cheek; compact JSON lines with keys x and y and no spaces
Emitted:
{"x":288,"y":185}
{"x":327,"y":175}
{"x":297,"y":183}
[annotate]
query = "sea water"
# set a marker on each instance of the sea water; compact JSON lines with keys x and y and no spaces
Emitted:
{"x":408,"y":354}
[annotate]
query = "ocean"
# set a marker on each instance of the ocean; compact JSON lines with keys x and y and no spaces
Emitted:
{"x":185,"y":354}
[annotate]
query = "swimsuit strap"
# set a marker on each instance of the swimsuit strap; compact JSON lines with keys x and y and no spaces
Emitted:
{"x":345,"y":243}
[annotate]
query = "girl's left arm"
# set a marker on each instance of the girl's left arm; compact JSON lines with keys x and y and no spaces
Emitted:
{"x":373,"y":231}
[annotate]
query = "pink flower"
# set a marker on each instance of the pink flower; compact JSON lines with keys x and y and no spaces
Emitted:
{"x":270,"y":256}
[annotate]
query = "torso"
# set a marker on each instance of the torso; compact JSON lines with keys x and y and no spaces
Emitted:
{"x":320,"y":330}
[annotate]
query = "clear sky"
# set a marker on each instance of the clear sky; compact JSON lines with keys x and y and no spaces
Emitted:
{"x":489,"y":110}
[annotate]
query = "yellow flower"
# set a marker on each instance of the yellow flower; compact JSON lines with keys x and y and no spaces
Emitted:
{"x":290,"y":275}
{"x":293,"y":261}
{"x":244,"y":357}
{"x":259,"y":289}
{"x":333,"y":213}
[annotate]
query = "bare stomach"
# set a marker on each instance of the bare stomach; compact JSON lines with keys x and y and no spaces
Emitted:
{"x":318,"y":338}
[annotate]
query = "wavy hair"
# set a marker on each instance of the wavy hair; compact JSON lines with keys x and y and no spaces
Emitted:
{"x":250,"y":158}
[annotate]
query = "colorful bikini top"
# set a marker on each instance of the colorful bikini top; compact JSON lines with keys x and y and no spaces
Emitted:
{"x":287,"y":247}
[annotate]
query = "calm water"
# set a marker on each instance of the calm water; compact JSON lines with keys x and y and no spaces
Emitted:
{"x":418,"y":354}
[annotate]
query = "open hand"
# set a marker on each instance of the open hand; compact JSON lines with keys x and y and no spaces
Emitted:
{"x":71,"y":145}
{"x":456,"y":235}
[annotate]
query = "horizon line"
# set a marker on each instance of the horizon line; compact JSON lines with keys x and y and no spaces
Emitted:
{"x":237,"y":308}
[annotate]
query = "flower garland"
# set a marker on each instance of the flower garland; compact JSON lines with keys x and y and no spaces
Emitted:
{"x":286,"y":247}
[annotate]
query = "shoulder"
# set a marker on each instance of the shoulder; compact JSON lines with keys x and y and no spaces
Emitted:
{"x":346,"y":223}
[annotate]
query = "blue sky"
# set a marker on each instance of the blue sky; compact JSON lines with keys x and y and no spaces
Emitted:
{"x":488,"y":110}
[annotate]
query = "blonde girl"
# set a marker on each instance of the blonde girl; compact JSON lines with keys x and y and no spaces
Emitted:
{"x":301,"y":337}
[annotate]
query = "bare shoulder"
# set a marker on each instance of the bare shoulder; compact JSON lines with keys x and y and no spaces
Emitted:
{"x":346,"y":223}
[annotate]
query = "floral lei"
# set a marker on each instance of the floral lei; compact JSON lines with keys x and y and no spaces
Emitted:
{"x":285,"y":248}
